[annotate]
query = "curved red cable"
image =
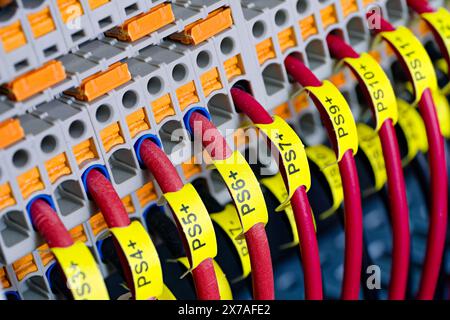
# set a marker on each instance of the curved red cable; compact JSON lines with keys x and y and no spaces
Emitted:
{"x":49,"y":225}
{"x":420,"y":6}
{"x":166,"y":175}
{"x":352,"y":195}
{"x":339,"y":49}
{"x":261,"y":263}
{"x":399,"y":212}
{"x":107,"y":199}
{"x":353,"y":227}
{"x":438,"y":213}
{"x":308,"y":245}
{"x":396,"y":186}
{"x":309,"y":248}
{"x":256,"y":237}
{"x":439,"y":201}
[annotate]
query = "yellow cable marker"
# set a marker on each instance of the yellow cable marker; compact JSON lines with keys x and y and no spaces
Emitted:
{"x":414,"y":130}
{"x":340,"y":115}
{"x":293,"y":156}
{"x":378,"y":86}
{"x":439,"y":21}
{"x":244,"y":189}
{"x":325,"y":160}
{"x":415,"y":58}
{"x":370,"y":144}
{"x":84,"y":278}
{"x":222,"y":281}
{"x":195,"y":222}
{"x":228,"y":220}
{"x":142,"y":259}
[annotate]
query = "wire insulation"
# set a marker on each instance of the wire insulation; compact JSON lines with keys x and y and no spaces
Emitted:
{"x":439,"y":202}
{"x":309,"y":248}
{"x":49,"y":225}
{"x":398,"y":202}
{"x":166,"y":175}
{"x":256,"y":237}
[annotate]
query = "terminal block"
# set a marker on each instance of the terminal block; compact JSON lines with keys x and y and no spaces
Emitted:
{"x":82,"y":81}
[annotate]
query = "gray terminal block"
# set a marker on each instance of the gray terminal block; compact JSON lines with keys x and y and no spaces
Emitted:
{"x":17,"y":57}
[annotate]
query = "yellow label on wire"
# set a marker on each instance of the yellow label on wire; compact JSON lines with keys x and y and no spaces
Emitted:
{"x":293,"y":156}
{"x":325,"y":160}
{"x":222,"y":281}
{"x":442,"y":109}
{"x":340,"y":116}
{"x":166,"y":294}
{"x":276,"y":186}
{"x":228,"y":220}
{"x":370,"y":144}
{"x":378,"y":86}
{"x":244,"y":189}
{"x":84,"y":278}
{"x":443,"y":112}
{"x":142,"y":259}
{"x":440,"y":22}
{"x":415,"y":58}
{"x":195,"y":222}
{"x":413,"y":128}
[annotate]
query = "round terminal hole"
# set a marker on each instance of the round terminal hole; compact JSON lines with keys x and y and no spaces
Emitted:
{"x":258,"y":29}
{"x":227,"y":45}
{"x":32,"y":4}
{"x":203,"y":59}
{"x":20,"y":158}
{"x":179,"y":72}
{"x":129,"y":99}
{"x":48,"y":144}
{"x":76,"y":129}
{"x":302,"y":6}
{"x":103,"y":113}
{"x":154,"y":85}
{"x":281,"y":18}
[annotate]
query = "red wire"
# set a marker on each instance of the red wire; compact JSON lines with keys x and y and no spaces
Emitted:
{"x":420,"y":6}
{"x":302,"y":211}
{"x":256,"y":237}
{"x":166,"y":175}
{"x":48,"y":224}
{"x":353,"y":227}
{"x":399,"y":212}
{"x":396,"y":187}
{"x":107,"y":200}
{"x":261,"y":263}
{"x":352,"y":194}
{"x":438,"y":173}
{"x":308,"y":245}
{"x":438,"y":216}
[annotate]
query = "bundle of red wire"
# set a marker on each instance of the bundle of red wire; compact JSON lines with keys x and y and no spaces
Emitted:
{"x":396,"y":186}
{"x":309,"y":248}
{"x":352,"y":196}
{"x":438,"y":183}
{"x":256,"y":237}
{"x":157,"y":162}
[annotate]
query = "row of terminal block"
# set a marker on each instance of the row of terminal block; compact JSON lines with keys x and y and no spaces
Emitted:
{"x":112,"y":89}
